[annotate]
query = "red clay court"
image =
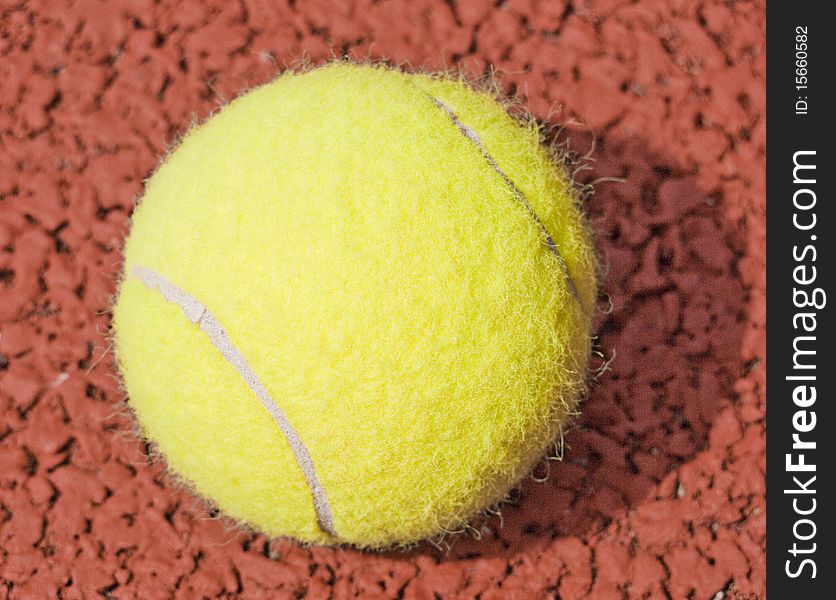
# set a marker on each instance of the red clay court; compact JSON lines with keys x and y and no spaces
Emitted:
{"x":661,"y":493}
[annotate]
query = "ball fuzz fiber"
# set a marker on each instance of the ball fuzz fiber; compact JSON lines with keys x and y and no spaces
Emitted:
{"x":356,"y":305}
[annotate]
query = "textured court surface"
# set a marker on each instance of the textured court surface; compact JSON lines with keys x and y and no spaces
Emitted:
{"x":661,"y":493}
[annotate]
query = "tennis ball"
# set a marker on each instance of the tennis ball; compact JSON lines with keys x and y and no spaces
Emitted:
{"x":356,"y":305}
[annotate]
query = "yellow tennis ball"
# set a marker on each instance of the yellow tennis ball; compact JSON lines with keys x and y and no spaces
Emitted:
{"x":356,"y":305}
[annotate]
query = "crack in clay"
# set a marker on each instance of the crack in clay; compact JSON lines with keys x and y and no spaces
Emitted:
{"x":471,"y":135}
{"x":198,"y":314}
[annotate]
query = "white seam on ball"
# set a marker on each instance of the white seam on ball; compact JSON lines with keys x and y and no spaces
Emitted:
{"x":198,"y":314}
{"x":471,"y":135}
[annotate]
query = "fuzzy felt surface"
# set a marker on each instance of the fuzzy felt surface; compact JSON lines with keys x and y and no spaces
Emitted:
{"x":385,"y":285}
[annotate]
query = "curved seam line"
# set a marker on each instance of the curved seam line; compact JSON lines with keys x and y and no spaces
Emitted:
{"x":471,"y":135}
{"x":198,"y":314}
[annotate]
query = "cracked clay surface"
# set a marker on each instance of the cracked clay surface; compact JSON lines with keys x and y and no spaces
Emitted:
{"x":661,"y":490}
